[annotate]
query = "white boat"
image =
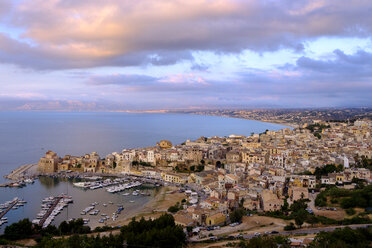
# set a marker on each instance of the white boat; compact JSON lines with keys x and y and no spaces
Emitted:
{"x":80,"y":184}
{"x":126,"y":194}
{"x":29,"y":180}
{"x":36,"y":222}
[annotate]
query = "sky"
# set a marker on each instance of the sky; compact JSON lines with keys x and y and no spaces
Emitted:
{"x":176,"y":54}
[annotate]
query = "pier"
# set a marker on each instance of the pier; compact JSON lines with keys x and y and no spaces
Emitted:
{"x":15,"y":201}
{"x":21,"y":172}
{"x":55,"y":202}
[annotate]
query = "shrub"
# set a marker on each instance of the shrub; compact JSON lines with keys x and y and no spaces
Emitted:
{"x":350,"y":211}
{"x":290,"y":227}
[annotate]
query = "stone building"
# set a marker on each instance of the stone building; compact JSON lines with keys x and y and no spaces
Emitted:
{"x":49,"y":163}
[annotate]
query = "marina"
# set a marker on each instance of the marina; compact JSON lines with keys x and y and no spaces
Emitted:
{"x":88,"y":204}
{"x":51,"y":210}
{"x":51,"y":207}
{"x":6,"y":207}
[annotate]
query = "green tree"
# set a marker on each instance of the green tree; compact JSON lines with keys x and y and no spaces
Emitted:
{"x":19,"y":230}
{"x":237,"y":215}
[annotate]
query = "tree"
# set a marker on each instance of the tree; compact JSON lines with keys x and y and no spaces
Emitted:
{"x":300,"y":217}
{"x":285,"y":205}
{"x":290,"y":227}
{"x":237,"y":215}
{"x":162,"y":232}
{"x":19,"y":230}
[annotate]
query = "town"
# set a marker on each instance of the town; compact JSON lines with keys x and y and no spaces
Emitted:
{"x":261,"y":173}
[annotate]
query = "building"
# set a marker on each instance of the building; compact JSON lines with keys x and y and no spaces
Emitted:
{"x":49,"y":163}
{"x":216,"y":219}
{"x":172,"y":178}
{"x":297,"y":193}
{"x":164,"y":144}
{"x":270,"y":201}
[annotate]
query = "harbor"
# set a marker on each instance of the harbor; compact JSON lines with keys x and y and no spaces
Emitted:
{"x":7,"y":206}
{"x":107,"y":203}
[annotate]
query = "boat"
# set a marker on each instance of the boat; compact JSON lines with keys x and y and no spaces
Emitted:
{"x":29,"y":180}
{"x":104,"y":204}
{"x":36,"y":221}
{"x":120,"y":209}
{"x":131,"y":201}
{"x":126,"y":194}
{"x":135,"y":193}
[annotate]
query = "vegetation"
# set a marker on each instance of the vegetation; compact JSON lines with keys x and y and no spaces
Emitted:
{"x":290,"y":227}
{"x":324,"y":170}
{"x":346,"y":237}
{"x":346,"y":198}
{"x":297,"y":211}
{"x":82,"y":241}
{"x":299,"y":214}
{"x":25,"y":229}
{"x":333,"y":193}
{"x":162,"y":232}
{"x":329,"y":168}
{"x":20,"y":230}
{"x":145,"y":164}
{"x":192,"y":168}
{"x":175,"y":208}
{"x":340,"y":238}
{"x":265,"y":242}
{"x":237,"y":215}
{"x":363,"y":162}
{"x":317,"y":129}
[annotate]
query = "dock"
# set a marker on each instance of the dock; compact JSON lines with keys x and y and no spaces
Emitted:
{"x":15,"y":201}
{"x":55,"y":202}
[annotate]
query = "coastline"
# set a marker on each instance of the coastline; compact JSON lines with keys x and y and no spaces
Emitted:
{"x":155,"y":207}
{"x":288,"y":124}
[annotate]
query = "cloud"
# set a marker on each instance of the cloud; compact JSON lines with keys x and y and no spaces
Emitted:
{"x":342,"y":80}
{"x":122,"y":79}
{"x":354,"y":67}
{"x":142,"y":83}
{"x":65,"y":34}
{"x":199,"y":67}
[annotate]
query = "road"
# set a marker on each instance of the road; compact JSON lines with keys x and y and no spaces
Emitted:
{"x":312,"y":230}
{"x":289,"y":233}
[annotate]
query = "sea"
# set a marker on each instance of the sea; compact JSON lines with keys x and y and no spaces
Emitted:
{"x":26,"y":136}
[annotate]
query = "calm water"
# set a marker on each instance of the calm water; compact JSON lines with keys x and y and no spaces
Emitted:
{"x":26,"y":136}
